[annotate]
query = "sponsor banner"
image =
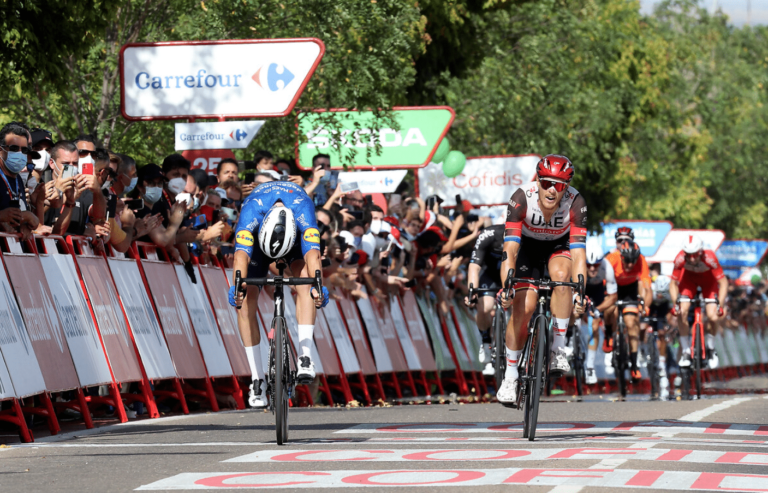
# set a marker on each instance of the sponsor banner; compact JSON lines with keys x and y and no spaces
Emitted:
{"x":226,"y":315}
{"x":75,"y":317}
{"x":401,"y":329}
{"x":6,"y":386}
{"x":43,"y":326}
{"x":355,"y":325}
{"x":388,"y":333}
{"x":325,"y":347}
{"x":16,"y":346}
{"x":293,"y":330}
{"x":648,"y":235}
{"x":741,"y":253}
{"x":344,"y":347}
{"x":212,"y":79}
{"x":485,"y":180}
{"x":500,"y":454}
{"x":378,"y":346}
{"x":465,"y":364}
{"x":216,"y":135}
{"x":207,"y":160}
{"x":469,"y":335}
{"x":141,"y":316}
{"x":109,"y":318}
{"x":378,"y":478}
{"x":174,"y":319}
{"x":374,"y":181}
{"x":201,"y":315}
{"x":675,"y":239}
{"x":443,"y":358}
{"x":420,"y":131}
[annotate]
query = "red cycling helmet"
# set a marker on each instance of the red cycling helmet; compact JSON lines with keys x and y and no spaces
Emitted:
{"x":624,"y":233}
{"x":555,"y":166}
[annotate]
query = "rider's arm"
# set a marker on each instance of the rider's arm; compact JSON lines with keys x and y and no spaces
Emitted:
{"x":645,"y":283}
{"x":240,"y":264}
{"x":513,"y":229}
{"x":674,"y":279}
{"x":674,"y":292}
{"x":578,"y":238}
{"x":722,"y":283}
{"x":473,"y":275}
{"x":611,"y":288}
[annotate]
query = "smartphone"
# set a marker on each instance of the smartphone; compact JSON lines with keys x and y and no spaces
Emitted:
{"x":349,"y":187}
{"x":184,"y":197}
{"x":458,"y":199}
{"x":357,"y":215}
{"x":395,"y":199}
{"x":249,"y":178}
{"x":199,"y":222}
{"x":87,"y":169}
{"x":135,"y":204}
{"x":69,"y":172}
{"x":111,"y":205}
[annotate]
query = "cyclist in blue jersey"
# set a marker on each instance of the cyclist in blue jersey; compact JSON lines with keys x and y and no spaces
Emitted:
{"x":271,"y":218}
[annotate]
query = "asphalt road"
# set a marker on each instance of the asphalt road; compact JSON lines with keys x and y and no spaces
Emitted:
{"x":595,"y":445}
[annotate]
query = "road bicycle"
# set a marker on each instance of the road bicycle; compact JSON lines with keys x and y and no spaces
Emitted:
{"x":281,"y":377}
{"x":578,"y":358}
{"x":654,"y":364}
{"x":498,"y":334}
{"x":621,"y":351}
{"x":698,"y":349}
{"x":533,"y":366}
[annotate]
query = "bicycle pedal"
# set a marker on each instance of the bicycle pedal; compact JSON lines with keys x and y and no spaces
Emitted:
{"x":510,"y":405}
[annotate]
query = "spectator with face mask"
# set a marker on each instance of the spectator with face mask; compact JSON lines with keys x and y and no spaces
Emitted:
{"x":14,"y":210}
{"x":150,"y":187}
{"x":127,"y":174}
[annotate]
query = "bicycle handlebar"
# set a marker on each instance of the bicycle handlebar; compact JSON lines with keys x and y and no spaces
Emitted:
{"x":543,"y":283}
{"x":317,"y":281}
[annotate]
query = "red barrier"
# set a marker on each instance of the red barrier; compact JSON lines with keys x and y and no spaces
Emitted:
{"x":420,"y":340}
{"x":389,"y":334}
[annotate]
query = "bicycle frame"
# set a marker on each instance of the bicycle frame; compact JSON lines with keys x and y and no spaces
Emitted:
{"x":697,"y":328}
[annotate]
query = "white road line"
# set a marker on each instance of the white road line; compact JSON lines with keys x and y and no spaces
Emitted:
{"x":566,"y":488}
{"x":614,"y":462}
{"x":703,"y":413}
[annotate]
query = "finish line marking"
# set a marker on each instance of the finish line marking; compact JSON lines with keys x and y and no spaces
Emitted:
{"x":618,"y":478}
{"x":656,"y":426}
{"x":606,"y":455}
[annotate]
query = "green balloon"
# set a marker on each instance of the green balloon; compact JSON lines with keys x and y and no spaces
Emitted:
{"x":454,"y":164}
{"x":442,"y":151}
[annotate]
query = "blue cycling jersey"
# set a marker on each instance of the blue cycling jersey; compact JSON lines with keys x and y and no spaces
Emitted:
{"x":258,"y":203}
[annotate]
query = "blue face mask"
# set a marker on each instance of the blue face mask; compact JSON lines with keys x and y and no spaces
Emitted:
{"x":153,"y":194}
{"x":15,"y":162}
{"x":130,"y":187}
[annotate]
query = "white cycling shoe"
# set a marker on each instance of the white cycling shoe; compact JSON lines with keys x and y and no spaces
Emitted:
{"x":568,"y":351}
{"x":306,"y":372}
{"x":507,"y":393}
{"x":591,"y":377}
{"x":484,"y":355}
{"x":488,"y":370}
{"x":257,"y":394}
{"x":685,"y":359}
{"x":714,"y":361}
{"x":559,"y":363}
{"x":608,"y":362}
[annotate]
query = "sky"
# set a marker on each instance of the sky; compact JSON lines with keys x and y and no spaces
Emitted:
{"x":735,"y":9}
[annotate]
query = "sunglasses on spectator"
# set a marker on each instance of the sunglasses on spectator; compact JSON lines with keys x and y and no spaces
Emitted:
{"x":111,"y":173}
{"x":547,"y":184}
{"x":15,"y":148}
{"x":85,"y":152}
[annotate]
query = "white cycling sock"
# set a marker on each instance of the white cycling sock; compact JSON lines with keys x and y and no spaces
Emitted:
{"x":559,"y":329}
{"x":305,"y":339}
{"x":591,"y":358}
{"x":685,"y":343}
{"x":710,"y":341}
{"x":254,"y":361}
{"x":512,"y":359}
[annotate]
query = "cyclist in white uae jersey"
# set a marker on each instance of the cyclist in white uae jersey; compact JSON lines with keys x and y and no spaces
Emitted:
{"x":545,"y":228}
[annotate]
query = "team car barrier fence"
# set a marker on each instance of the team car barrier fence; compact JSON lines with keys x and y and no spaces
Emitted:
{"x":80,"y":328}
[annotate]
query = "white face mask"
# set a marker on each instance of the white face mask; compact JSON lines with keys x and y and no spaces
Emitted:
{"x":177,"y":185}
{"x":84,"y":160}
{"x":32,"y":184}
{"x":24,"y":176}
{"x":42,"y":162}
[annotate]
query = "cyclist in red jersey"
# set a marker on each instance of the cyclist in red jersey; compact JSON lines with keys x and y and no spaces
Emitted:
{"x":696,"y":267}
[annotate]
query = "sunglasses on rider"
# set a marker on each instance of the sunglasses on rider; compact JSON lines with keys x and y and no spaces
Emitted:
{"x":547,"y":184}
{"x":593,"y":266}
{"x":15,"y":148}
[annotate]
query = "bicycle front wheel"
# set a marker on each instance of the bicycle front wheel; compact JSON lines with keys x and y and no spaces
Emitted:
{"x":621,"y":358}
{"x":654,"y":367}
{"x":539,"y":372}
{"x":282,"y":378}
{"x":578,"y":360}
{"x":697,"y":359}
{"x":500,"y":345}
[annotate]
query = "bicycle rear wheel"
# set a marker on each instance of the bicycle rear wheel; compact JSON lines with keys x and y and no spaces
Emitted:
{"x":526,"y":379}
{"x":620,"y":359}
{"x":500,"y":346}
{"x":539,"y":372}
{"x":653,"y":368}
{"x":578,"y":360}
{"x":282,"y":378}
{"x":697,"y":360}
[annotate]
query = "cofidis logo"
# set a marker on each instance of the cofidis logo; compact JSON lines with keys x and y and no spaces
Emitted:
{"x":275,"y":78}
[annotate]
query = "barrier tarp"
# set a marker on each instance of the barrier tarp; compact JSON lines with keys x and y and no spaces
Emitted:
{"x":469,"y":335}
{"x":324,"y":342}
{"x":6,"y":386}
{"x":379,"y":348}
{"x":418,"y":332}
{"x":16,"y":346}
{"x":75,"y":317}
{"x":443,"y":359}
{"x":293,"y":329}
{"x":201,"y":315}
{"x":401,"y":329}
{"x":339,"y":333}
{"x":43,"y":326}
{"x":349,"y":312}
{"x":174,"y":319}
{"x":144,"y":325}
{"x":227,"y":317}
{"x":110,"y":319}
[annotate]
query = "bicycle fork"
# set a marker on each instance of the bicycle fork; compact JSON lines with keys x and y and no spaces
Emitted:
{"x":528,"y":372}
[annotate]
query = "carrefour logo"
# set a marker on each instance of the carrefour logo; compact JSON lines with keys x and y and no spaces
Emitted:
{"x":276,"y":77}
{"x":238,"y":135}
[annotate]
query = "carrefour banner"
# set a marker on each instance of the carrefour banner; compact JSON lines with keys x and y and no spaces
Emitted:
{"x":741,"y":253}
{"x":648,"y":235}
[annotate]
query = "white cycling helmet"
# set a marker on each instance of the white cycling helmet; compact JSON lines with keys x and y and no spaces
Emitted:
{"x":594,"y":251}
{"x":661,"y":284}
{"x":693,"y":244}
{"x":277,"y":233}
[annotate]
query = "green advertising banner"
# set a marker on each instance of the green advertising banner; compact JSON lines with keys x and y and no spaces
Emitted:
{"x":412,"y":146}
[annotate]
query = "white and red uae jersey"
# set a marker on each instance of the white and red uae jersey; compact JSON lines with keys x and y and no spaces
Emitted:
{"x":524,"y":216}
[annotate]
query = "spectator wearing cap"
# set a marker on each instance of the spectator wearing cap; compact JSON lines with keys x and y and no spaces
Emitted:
{"x":15,"y":215}
{"x":86,"y":149}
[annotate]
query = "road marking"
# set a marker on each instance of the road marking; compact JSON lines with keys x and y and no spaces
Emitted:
{"x":594,"y":428}
{"x":618,"y":478}
{"x":703,"y":413}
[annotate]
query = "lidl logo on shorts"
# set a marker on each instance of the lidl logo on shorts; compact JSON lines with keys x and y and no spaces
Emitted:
{"x":245,"y":238}
{"x":312,"y":235}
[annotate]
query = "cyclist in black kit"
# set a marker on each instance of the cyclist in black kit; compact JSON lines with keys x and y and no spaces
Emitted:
{"x":485,"y":273}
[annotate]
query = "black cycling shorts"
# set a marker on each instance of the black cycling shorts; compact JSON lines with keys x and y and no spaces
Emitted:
{"x":490,"y":278}
{"x":629,"y":293}
{"x":259,"y":265}
{"x":534,"y":256}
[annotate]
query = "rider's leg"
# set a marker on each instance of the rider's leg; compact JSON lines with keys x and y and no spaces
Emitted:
{"x":633,"y":331}
{"x":682,"y":326}
{"x":562,"y":298}
{"x":305,"y":310}
{"x":249,"y":332}
{"x":523,"y":307}
{"x":485,"y":310}
{"x":711,"y":326}
{"x":592,"y":348}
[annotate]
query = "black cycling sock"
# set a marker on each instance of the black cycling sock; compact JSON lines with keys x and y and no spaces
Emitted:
{"x":486,"y":335}
{"x":608,"y":332}
{"x":633,"y":360}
